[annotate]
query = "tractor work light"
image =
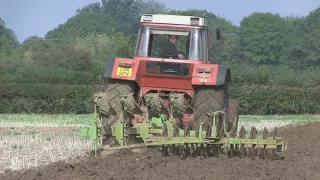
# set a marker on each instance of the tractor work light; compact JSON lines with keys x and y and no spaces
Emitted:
{"x":147,"y":18}
{"x":204,"y":70}
{"x":194,"y":21}
{"x":123,"y":64}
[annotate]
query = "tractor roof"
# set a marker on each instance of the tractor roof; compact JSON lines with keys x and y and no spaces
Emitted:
{"x":173,"y":19}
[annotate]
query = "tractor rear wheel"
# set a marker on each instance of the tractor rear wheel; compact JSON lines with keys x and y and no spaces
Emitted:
{"x":210,"y":99}
{"x":233,"y":113}
{"x":114,"y":90}
{"x":207,"y":100}
{"x":112,"y":96}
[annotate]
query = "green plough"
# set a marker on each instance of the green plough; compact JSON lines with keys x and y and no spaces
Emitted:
{"x":157,"y":130}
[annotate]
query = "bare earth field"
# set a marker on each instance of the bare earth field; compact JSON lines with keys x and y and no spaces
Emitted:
{"x":302,"y":161}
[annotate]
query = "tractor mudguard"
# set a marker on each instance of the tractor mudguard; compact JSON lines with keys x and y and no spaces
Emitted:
{"x":210,"y":74}
{"x":224,"y":75}
{"x":109,"y":68}
{"x":121,"y":68}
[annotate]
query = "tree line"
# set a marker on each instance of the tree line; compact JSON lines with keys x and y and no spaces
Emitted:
{"x":275,"y":60}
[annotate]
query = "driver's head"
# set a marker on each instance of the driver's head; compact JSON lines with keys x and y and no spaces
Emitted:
{"x":173,"y":38}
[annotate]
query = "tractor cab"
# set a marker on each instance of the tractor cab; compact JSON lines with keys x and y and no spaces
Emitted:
{"x":155,"y":29}
{"x":192,"y":42}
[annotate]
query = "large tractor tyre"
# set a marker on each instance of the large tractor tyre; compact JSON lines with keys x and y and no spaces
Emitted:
{"x":207,"y":100}
{"x":233,"y":114}
{"x":112,"y":97}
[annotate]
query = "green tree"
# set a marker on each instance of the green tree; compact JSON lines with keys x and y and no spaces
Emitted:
{"x":128,"y":12}
{"x":91,"y":8}
{"x":303,"y":42}
{"x":40,"y":52}
{"x":261,"y":35}
{"x":8,"y":40}
{"x":312,"y":29}
{"x":83,"y":24}
{"x":225,"y":50}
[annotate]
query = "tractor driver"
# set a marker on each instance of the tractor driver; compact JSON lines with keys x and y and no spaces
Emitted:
{"x":169,"y":49}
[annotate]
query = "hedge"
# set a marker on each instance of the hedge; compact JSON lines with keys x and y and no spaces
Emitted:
{"x":265,"y":100}
{"x":243,"y":74}
{"x":31,"y":74}
{"x":45,"y":98}
{"x":274,"y":75}
{"x":254,"y":99}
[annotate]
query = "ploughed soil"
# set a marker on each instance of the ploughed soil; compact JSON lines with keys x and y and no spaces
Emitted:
{"x":301,"y":161}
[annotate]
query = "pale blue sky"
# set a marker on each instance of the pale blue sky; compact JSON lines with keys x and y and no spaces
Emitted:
{"x":36,"y":17}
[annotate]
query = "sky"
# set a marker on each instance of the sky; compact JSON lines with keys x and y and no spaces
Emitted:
{"x":35,"y":17}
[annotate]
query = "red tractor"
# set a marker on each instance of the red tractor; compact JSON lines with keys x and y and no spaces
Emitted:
{"x":163,"y":97}
{"x":202,"y":87}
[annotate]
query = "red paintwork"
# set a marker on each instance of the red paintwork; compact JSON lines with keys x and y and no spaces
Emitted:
{"x":149,"y":82}
{"x":135,"y":66}
{"x":144,"y":90}
{"x":138,"y":118}
{"x":187,"y":118}
{"x":159,"y":82}
{"x":212,"y":77}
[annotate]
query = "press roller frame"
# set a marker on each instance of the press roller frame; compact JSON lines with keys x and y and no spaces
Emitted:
{"x":152,"y":129}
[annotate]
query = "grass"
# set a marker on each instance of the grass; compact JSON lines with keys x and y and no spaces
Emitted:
{"x":40,"y":120}
{"x":272,"y":121}
{"x":76,"y":120}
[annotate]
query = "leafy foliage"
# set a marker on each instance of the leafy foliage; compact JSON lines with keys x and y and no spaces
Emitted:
{"x":261,"y":35}
{"x":82,"y":25}
{"x":262,"y":100}
{"x":45,"y":98}
{"x":303,"y":42}
{"x":265,"y":75}
{"x":128,"y":12}
{"x":8,"y":40}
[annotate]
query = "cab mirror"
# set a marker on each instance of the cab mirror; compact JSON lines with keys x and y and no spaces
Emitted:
{"x":218,"y":34}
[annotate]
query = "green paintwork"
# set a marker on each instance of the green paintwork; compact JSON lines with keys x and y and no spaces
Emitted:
{"x":92,"y":132}
{"x":143,"y":129}
{"x":146,"y":131}
{"x":259,"y":143}
{"x":158,"y":121}
{"x":119,"y":132}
